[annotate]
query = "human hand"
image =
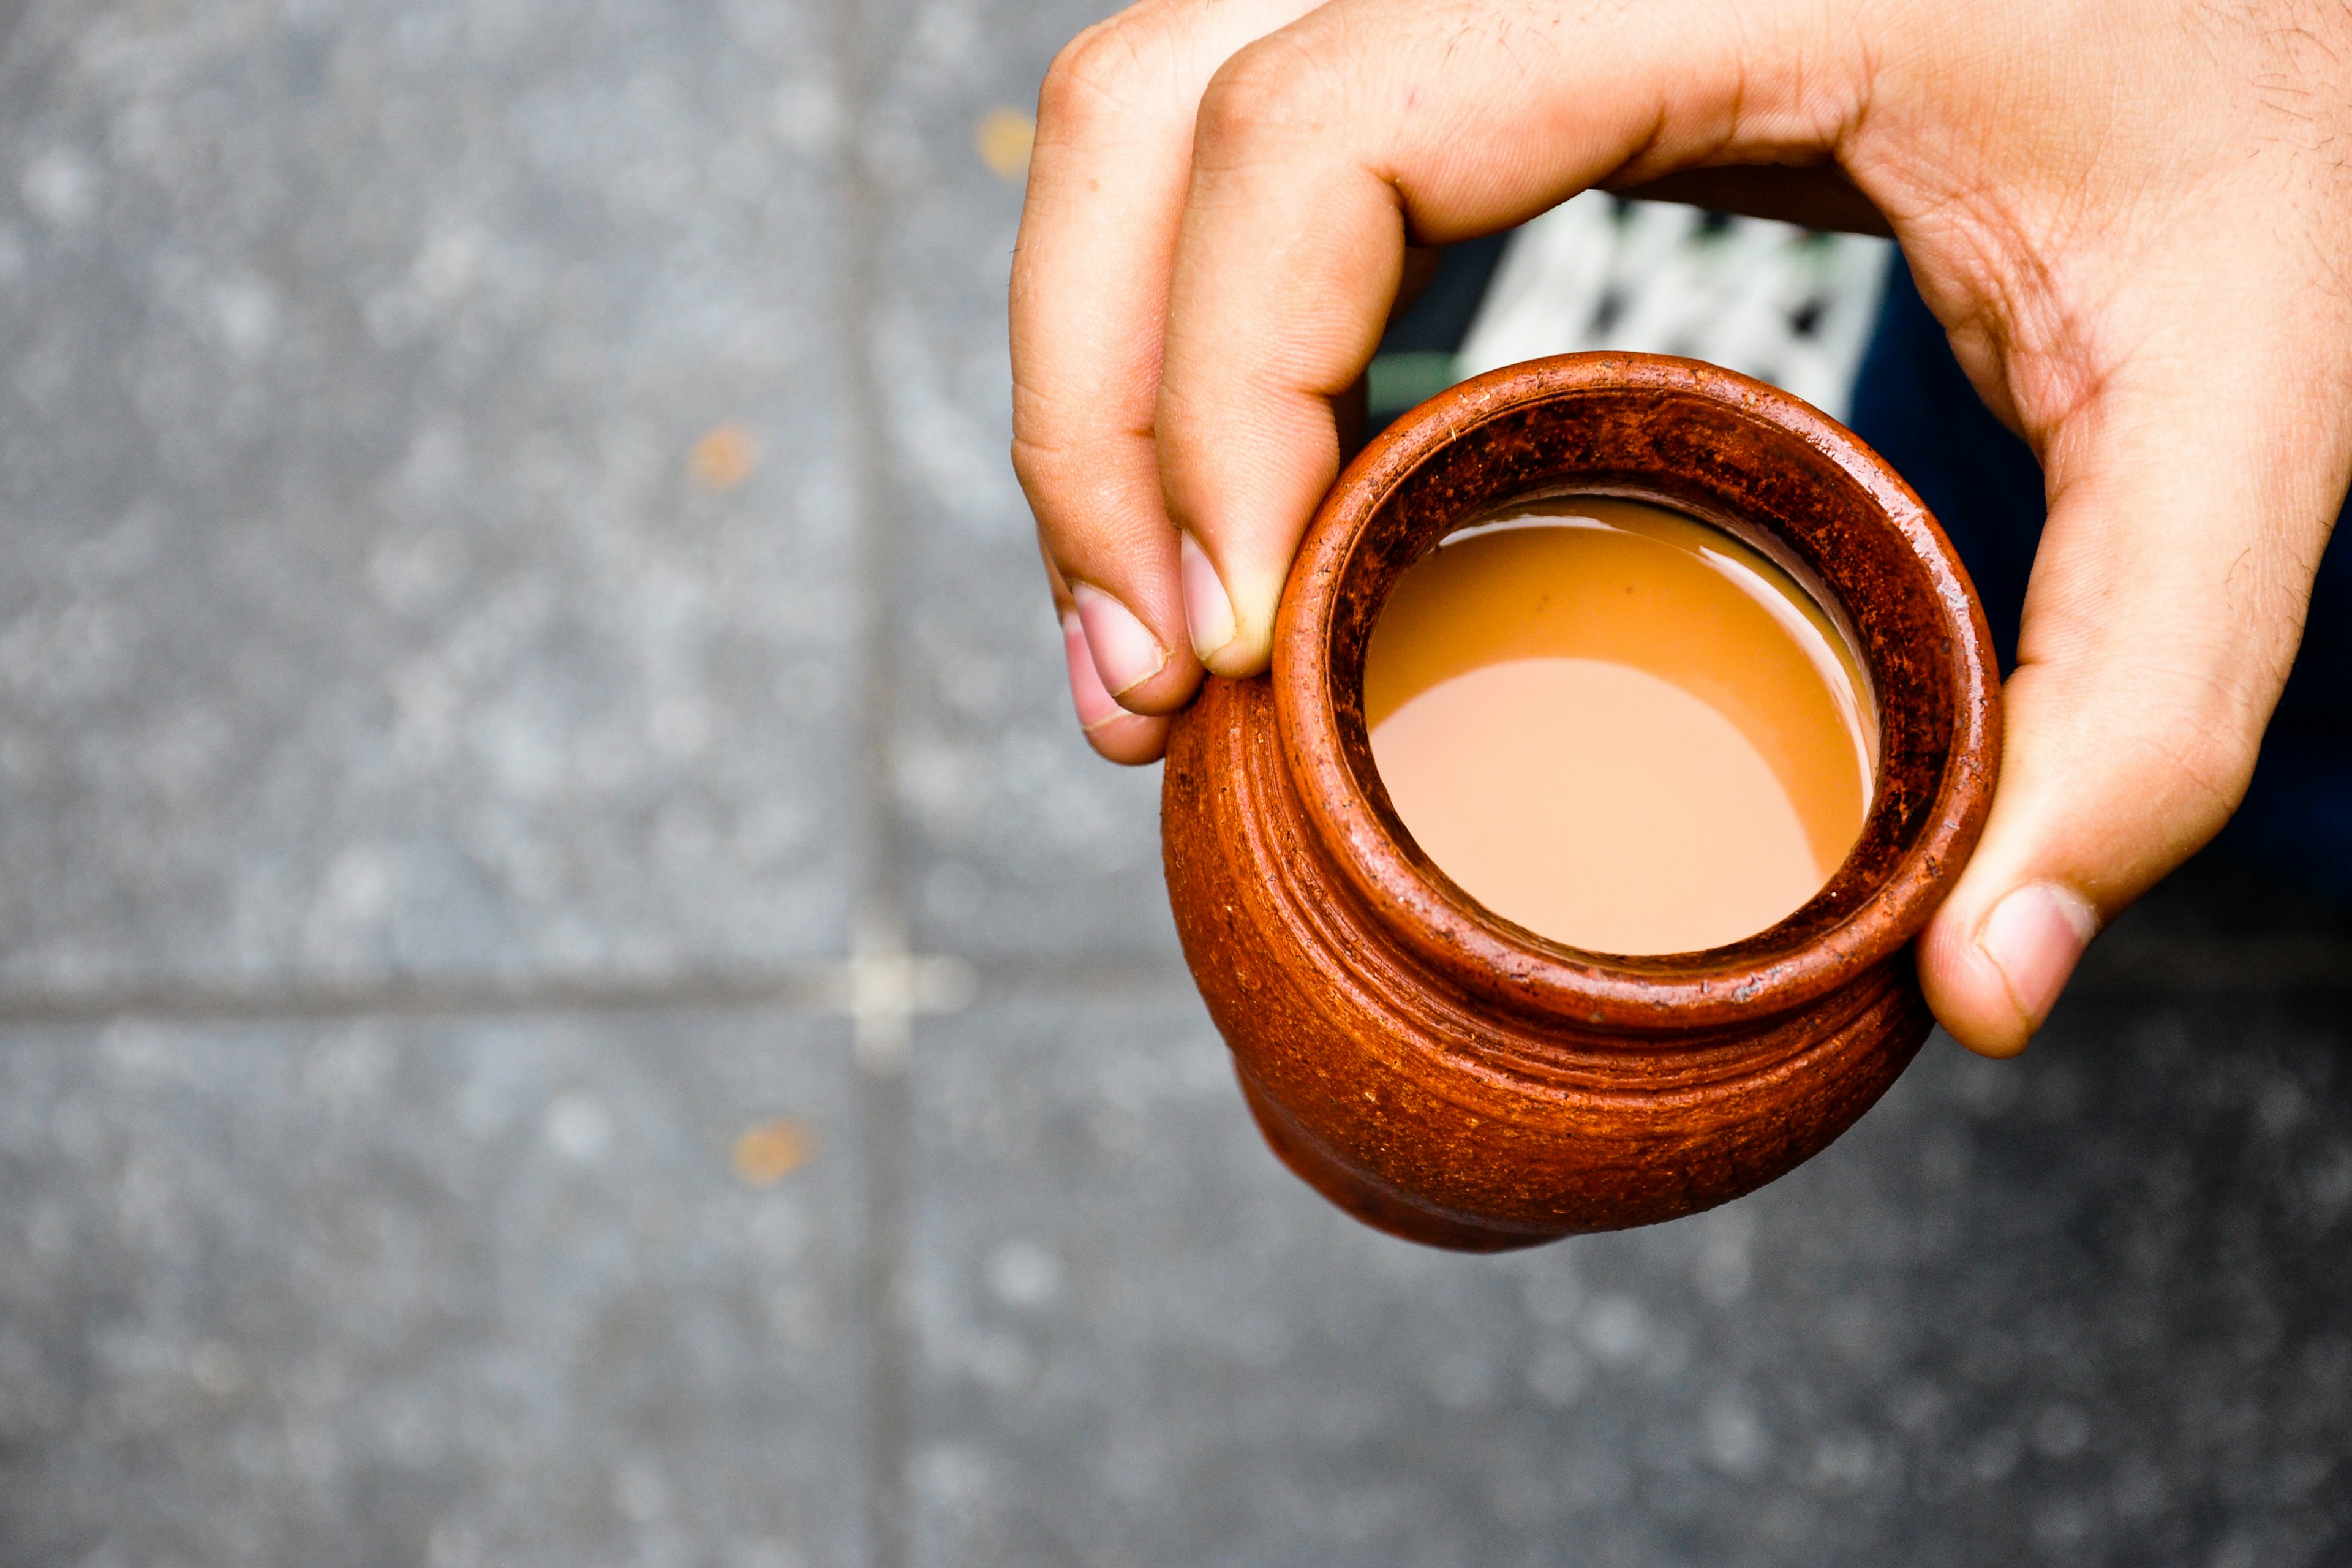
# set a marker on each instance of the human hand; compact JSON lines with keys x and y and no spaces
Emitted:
{"x":2135,"y":220}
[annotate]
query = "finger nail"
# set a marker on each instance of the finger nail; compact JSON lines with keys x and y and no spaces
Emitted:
{"x":1093,"y":701}
{"x":1208,"y":608}
{"x":1126,"y":654}
{"x":2034,"y":936}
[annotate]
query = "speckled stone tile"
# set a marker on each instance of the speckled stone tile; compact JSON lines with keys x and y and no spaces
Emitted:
{"x":369,"y":605}
{"x":431,"y":1294}
{"x":2083,"y":1309}
{"x":1018,"y":839}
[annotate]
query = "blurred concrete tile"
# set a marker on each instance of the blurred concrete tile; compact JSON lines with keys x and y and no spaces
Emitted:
{"x":420,"y":463}
{"x":1020,"y":839}
{"x":2084,"y":1307}
{"x":435,"y":1293}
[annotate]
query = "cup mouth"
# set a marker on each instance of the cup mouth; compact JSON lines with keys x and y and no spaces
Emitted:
{"x":1730,"y":451}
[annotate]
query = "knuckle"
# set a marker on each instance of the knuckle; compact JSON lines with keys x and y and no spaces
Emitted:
{"x":1053,"y":441}
{"x":1093,"y":76}
{"x":1271,"y":88}
{"x":1060,"y":482}
{"x":1037,"y":466}
{"x":2212,"y":763}
{"x":2199,"y":742}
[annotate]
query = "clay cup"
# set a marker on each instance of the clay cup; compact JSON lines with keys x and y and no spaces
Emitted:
{"x":1453,"y":1077}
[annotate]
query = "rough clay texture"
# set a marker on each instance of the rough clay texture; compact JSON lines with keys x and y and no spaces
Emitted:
{"x":1444,"y":1120}
{"x":363,"y":618}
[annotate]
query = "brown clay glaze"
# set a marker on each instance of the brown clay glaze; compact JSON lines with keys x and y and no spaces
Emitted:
{"x":1457,"y":1079}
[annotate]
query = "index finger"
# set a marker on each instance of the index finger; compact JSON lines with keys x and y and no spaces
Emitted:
{"x":1089,"y":303}
{"x":1323,"y":148}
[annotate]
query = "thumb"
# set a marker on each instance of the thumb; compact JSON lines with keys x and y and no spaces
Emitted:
{"x":2188,"y":511}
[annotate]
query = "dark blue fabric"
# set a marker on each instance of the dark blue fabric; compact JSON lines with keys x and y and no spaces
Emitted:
{"x":1440,"y":318}
{"x":1915,"y":406}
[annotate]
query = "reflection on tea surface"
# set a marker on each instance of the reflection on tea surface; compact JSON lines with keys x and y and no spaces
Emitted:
{"x":1619,"y":727}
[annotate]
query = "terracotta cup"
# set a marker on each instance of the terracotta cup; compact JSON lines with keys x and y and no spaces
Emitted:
{"x":1453,"y":1077}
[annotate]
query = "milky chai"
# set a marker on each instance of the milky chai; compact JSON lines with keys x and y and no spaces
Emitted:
{"x":1620,"y":727}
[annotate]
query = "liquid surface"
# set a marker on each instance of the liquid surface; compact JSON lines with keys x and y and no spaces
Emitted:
{"x":1620,"y":727}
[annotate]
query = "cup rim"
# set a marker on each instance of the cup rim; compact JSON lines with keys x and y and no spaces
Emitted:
{"x":1793,"y":962}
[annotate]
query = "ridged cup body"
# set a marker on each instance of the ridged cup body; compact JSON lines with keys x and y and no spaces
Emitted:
{"x":1453,"y":1077}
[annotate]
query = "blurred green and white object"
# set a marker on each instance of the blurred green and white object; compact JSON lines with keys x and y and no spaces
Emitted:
{"x":1783,"y":304}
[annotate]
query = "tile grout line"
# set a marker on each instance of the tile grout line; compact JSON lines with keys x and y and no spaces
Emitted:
{"x":2155,"y":968}
{"x":880,"y":1032}
{"x":829,"y":987}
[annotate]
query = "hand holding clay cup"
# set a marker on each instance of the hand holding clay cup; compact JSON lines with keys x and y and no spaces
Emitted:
{"x":2132,"y":231}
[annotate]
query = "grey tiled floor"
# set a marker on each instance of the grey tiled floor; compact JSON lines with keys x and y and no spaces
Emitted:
{"x":2083,"y":1309}
{"x":448,"y":1292}
{"x":361,"y":614}
{"x":1013,"y":842}
{"x":435,"y":799}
